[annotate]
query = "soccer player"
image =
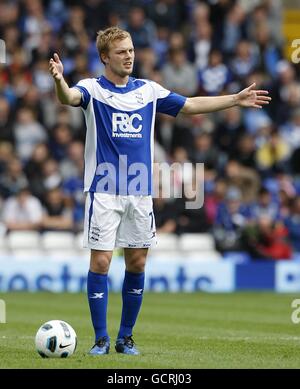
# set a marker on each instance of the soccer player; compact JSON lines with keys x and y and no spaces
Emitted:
{"x":120,"y":113}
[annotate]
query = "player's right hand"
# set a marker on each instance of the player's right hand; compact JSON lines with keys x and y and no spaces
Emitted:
{"x":56,"y":67}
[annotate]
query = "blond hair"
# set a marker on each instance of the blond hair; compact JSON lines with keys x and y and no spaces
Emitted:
{"x":106,"y":37}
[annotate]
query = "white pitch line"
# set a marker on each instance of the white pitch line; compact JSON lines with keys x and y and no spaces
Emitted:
{"x":227,"y":338}
{"x":249,"y":338}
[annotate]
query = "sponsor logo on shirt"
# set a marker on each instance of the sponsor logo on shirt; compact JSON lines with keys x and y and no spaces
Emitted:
{"x":126,"y":126}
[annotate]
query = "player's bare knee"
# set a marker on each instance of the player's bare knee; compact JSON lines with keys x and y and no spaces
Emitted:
{"x":100,"y":261}
{"x":136,"y":264}
{"x":135,"y":260}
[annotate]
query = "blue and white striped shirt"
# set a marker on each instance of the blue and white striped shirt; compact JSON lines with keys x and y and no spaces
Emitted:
{"x":120,"y":132}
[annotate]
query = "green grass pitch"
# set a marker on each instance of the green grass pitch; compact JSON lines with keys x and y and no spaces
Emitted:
{"x":198,"y":330}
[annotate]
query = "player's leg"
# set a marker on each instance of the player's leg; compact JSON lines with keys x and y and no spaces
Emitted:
{"x":132,"y":295}
{"x":102,"y":219}
{"x":97,"y":291}
{"x":136,"y":234}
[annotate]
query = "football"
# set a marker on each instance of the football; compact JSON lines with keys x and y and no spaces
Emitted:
{"x":55,"y":339}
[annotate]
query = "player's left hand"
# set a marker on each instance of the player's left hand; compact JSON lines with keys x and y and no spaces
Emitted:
{"x":252,"y":98}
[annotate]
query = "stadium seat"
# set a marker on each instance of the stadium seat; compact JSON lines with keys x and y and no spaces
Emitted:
{"x":3,"y":244}
{"x":24,"y":255}
{"x":79,"y":241}
{"x":166,"y":242}
{"x":58,"y":241}
{"x":201,"y":242}
{"x":22,"y":240}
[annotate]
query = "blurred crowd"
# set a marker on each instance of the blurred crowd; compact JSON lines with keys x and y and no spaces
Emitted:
{"x":251,"y":157}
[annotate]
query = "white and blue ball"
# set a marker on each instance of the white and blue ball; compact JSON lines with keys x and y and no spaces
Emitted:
{"x":55,"y":339}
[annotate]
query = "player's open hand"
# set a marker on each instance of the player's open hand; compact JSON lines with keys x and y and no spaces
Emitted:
{"x":56,"y":67}
{"x":252,"y":98}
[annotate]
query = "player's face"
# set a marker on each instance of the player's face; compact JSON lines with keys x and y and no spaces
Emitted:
{"x":120,"y":57}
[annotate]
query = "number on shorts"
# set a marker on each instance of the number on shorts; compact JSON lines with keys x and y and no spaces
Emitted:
{"x":152,"y":219}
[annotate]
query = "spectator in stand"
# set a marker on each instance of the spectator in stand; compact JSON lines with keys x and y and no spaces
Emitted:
{"x":18,"y":77}
{"x":274,"y":153}
{"x":245,"y":151}
{"x":41,"y":77}
{"x":265,"y":205}
{"x":295,"y":164}
{"x":73,"y":31}
{"x":75,"y":199}
{"x":34,"y":169}
{"x":213,"y":199}
{"x":218,"y":12}
{"x":214,"y":78}
{"x":80,"y":69}
{"x":229,"y":129}
{"x":268,"y":53}
{"x":72,"y":170}
{"x":267,"y":12}
{"x":72,"y":164}
{"x":33,"y":24}
{"x":11,"y":35}
{"x":65,"y":117}
{"x":280,"y":180}
{"x":234,"y":26}
{"x":290,"y":131}
{"x":165,"y":213}
{"x":56,"y":14}
{"x":6,"y":121}
{"x":200,"y":45}
{"x":191,"y":220}
{"x":255,"y":122}
{"x":147,"y":63}
{"x":28,"y":132}
{"x":232,"y":217}
{"x":284,"y":83}
{"x":57,"y":216}
{"x":161,"y":45}
{"x":292,"y":223}
{"x":285,"y":200}
{"x":51,"y":175}
{"x":182,"y":170}
{"x":22,"y":211}
{"x":267,"y":239}
{"x":245,"y":179}
{"x":244,"y":60}
{"x":167,"y":13}
{"x":200,"y":13}
{"x":97,"y":13}
{"x":178,"y":74}
{"x":60,"y":140}
{"x":176,"y":40}
{"x":32,"y":100}
{"x":205,"y":152}
{"x":141,"y":29}
{"x":13,"y":179}
{"x":6,"y":155}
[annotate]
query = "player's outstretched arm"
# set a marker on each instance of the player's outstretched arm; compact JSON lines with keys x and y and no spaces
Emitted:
{"x":66,"y":95}
{"x":248,"y":97}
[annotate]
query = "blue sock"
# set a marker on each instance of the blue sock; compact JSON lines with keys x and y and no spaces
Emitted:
{"x":97,"y":291}
{"x":132,"y":294}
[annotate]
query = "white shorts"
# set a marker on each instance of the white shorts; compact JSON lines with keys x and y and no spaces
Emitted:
{"x":118,"y":221}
